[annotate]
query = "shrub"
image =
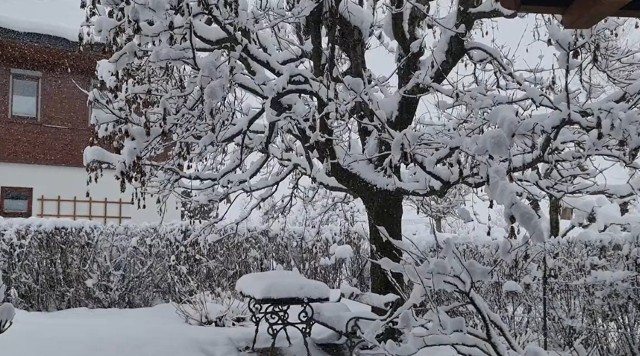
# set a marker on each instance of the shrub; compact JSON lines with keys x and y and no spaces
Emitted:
{"x":59,"y":264}
{"x":579,"y":295}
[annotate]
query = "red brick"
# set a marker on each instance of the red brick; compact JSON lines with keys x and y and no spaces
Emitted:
{"x":62,"y":131}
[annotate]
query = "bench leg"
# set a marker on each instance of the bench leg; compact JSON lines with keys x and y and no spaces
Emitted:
{"x":255,"y":338}
{"x":4,"y":326}
{"x":306,"y":344}
{"x":273,"y":343}
{"x":287,"y":334}
{"x":256,"y":309}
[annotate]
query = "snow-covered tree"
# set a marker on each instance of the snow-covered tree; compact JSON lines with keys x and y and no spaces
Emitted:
{"x":583,"y":117}
{"x":231,"y":97}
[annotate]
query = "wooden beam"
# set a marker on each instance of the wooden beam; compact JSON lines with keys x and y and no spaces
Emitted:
{"x":43,"y":199}
{"x":531,"y":7}
{"x":631,"y":13}
{"x":513,"y":5}
{"x":582,"y":14}
{"x":540,"y":9}
{"x":582,"y":9}
{"x":114,"y":217}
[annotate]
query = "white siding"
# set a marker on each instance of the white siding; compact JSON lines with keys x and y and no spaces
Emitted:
{"x":70,"y":182}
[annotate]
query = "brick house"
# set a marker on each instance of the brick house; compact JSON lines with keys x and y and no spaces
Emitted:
{"x":44,"y":128}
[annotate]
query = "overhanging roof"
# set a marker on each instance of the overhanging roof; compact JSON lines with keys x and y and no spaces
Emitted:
{"x":577,"y":14}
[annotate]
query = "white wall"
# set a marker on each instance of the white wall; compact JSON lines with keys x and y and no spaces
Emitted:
{"x":70,"y":182}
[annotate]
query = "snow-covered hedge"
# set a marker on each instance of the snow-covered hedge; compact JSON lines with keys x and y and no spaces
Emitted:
{"x":58,"y":264}
{"x":579,"y":294}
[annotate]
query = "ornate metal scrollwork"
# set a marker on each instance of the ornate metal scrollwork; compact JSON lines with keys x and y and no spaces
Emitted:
{"x":353,"y":334}
{"x":5,"y":325}
{"x":276,"y":314}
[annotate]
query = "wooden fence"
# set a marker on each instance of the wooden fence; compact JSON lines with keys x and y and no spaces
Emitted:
{"x":83,"y":209}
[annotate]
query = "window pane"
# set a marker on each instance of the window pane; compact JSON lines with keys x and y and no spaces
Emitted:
{"x":25,"y":97}
{"x":25,"y":87}
{"x":16,"y":206}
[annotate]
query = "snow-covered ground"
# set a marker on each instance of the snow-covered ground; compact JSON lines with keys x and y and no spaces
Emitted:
{"x":156,"y":331}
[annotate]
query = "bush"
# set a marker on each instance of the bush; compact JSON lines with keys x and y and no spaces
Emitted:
{"x":57,"y":264}
{"x":579,"y":294}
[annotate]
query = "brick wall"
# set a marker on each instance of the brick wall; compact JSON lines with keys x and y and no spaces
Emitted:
{"x":62,"y":131}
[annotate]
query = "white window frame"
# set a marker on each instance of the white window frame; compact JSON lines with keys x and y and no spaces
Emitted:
{"x":32,"y":75}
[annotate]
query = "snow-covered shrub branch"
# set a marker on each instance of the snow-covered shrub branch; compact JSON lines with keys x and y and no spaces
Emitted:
{"x":451,"y":205}
{"x":486,"y":297}
{"x":325,"y":220}
{"x":565,"y":129}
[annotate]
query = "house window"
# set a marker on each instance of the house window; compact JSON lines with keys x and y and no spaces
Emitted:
{"x":16,"y":202}
{"x":25,"y":93}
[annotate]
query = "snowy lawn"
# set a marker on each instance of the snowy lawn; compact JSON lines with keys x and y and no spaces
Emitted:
{"x":156,"y":331}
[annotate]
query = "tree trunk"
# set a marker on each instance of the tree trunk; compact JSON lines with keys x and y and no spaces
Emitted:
{"x":545,"y":281}
{"x":554,"y":216}
{"x":624,"y":208}
{"x":438,"y":221}
{"x":384,"y":209}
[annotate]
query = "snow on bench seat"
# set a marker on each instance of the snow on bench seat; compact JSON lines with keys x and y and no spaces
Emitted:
{"x":372,"y":299}
{"x":281,"y":285}
{"x":336,"y":316}
{"x":347,"y":323}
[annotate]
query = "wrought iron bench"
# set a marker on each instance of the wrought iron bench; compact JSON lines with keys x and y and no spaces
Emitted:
{"x":276,"y":313}
{"x":349,"y":325}
{"x":271,"y":296}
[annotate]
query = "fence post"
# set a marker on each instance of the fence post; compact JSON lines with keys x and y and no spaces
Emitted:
{"x":58,"y":212}
{"x":105,"y":210}
{"x":74,"y":208}
{"x":90,"y":208}
{"x":120,"y":211}
{"x":42,"y":206}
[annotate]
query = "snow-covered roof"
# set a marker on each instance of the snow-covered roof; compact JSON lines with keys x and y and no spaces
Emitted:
{"x":60,"y":18}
